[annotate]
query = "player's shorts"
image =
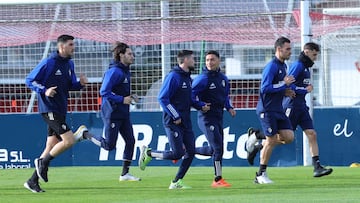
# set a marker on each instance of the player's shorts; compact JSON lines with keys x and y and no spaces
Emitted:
{"x":300,"y":117}
{"x":56,"y":124}
{"x":272,"y":122}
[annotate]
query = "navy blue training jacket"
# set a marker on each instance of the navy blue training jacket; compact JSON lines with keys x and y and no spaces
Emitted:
{"x":175,"y":97}
{"x":53,"y":71}
{"x":272,"y":90}
{"x":301,"y":72}
{"x":115,"y":86}
{"x":212,"y":87}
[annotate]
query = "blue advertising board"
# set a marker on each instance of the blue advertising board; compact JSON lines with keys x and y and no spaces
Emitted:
{"x":23,"y":139}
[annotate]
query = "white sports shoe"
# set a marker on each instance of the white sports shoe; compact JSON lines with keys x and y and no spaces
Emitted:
{"x":129,"y":177}
{"x":79,"y":134}
{"x":251,"y":141}
{"x":178,"y":185}
{"x":262,"y":179}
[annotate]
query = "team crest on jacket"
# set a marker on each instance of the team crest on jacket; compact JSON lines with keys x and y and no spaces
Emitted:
{"x":307,"y":81}
{"x":223,"y":83}
{"x":212,"y":86}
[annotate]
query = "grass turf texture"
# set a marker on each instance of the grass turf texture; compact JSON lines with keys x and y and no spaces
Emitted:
{"x":100,"y":184}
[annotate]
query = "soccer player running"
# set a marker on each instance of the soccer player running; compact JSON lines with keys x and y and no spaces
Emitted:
{"x":52,"y":79}
{"x":115,"y":108}
{"x":276,"y":125}
{"x":176,"y":101}
{"x":212,"y":87}
{"x":296,"y":108}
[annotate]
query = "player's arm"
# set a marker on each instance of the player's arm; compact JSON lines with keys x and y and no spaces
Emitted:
{"x":295,"y":70}
{"x":197,"y":87}
{"x":111,"y":77}
{"x":228,"y":106}
{"x":167,"y":90}
{"x":267,"y":85}
{"x":76,"y":85}
{"x":36,"y":78}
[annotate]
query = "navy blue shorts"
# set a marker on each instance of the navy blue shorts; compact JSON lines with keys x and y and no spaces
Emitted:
{"x":272,"y":122}
{"x":300,"y":117}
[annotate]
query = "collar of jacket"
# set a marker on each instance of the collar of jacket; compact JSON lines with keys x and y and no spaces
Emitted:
{"x":179,"y":70}
{"x":210,"y":72}
{"x":56,"y":55}
{"x":305,"y":60}
{"x":118,"y":64}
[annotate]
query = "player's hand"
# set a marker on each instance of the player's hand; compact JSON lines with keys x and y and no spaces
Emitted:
{"x":50,"y":92}
{"x":135,"y":99}
{"x":232,"y":112}
{"x":289,"y":79}
{"x":290,"y":93}
{"x":127,"y":100}
{"x":83,"y":79}
{"x":309,"y":88}
{"x":177,"y":122}
{"x":206,"y":107}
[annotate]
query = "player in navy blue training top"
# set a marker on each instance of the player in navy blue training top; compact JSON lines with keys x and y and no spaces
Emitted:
{"x":212,"y":87}
{"x":115,"y":112}
{"x":296,"y":108}
{"x":52,"y":79}
{"x":275,"y":84}
{"x":175,"y":100}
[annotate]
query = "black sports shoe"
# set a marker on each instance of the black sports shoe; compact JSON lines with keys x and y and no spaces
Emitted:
{"x":321,"y":171}
{"x":33,"y":187}
{"x":251,"y":156}
{"x":250,"y":131}
{"x":41,"y":169}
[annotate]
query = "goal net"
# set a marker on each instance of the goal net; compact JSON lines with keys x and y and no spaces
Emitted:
{"x":242,"y":31}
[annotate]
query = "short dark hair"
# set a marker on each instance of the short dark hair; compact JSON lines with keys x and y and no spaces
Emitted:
{"x":312,"y":46}
{"x":213,"y":52}
{"x":281,"y":41}
{"x":182,"y":55}
{"x":64,"y":38}
{"x":119,"y":48}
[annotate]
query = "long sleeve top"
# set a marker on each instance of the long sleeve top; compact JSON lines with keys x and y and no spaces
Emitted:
{"x":54,"y":71}
{"x":175,"y":97}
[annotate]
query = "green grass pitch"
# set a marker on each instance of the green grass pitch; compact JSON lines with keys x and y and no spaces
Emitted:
{"x":100,"y":184}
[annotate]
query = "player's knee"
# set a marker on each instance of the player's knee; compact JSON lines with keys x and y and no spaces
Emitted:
{"x":270,"y":143}
{"x":211,"y":151}
{"x":130,"y":142}
{"x":109,"y":147}
{"x":286,"y":136}
{"x":179,"y":154}
{"x":288,"y":139}
{"x":311,"y":135}
{"x":68,"y":143}
{"x":218,"y":149}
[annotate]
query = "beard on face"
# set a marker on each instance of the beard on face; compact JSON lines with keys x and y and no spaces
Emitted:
{"x":191,"y":68}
